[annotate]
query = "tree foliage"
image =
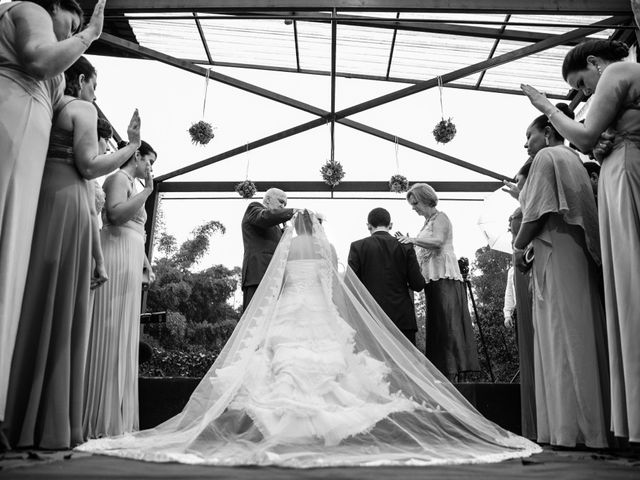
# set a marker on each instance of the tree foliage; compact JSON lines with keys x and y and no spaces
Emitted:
{"x":199,"y":316}
{"x":489,"y":280}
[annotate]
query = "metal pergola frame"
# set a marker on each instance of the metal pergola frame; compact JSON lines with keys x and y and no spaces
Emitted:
{"x":118,"y":39}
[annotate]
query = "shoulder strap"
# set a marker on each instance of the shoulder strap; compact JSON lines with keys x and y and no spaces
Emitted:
{"x":64,"y":104}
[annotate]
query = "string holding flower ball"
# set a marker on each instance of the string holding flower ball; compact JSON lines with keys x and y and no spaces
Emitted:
{"x":398,"y":184}
{"x":444,"y":131}
{"x":332,"y":172}
{"x":201,"y":133}
{"x":246,"y":189}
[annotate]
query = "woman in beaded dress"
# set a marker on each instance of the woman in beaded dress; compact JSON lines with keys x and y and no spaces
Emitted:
{"x":450,"y":342}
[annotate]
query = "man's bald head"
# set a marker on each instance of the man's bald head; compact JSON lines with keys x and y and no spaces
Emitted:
{"x":274,"y":198}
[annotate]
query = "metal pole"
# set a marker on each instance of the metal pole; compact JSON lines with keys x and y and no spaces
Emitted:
{"x":484,"y":344}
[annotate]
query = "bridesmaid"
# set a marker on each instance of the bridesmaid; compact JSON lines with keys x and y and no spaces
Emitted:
{"x":44,"y":406}
{"x":596,"y":68}
{"x":111,"y":390}
{"x":38,"y":42}
{"x":559,"y":219}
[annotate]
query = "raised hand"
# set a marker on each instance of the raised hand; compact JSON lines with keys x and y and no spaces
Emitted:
{"x":537,"y":99}
{"x":148,"y":178}
{"x":94,"y":27}
{"x":133,"y":130}
{"x":511,"y":188}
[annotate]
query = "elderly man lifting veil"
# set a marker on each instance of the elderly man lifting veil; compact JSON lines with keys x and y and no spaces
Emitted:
{"x":261,"y":232}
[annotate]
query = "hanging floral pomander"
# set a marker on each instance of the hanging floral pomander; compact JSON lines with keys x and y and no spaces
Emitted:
{"x":201,"y":133}
{"x":246,"y":189}
{"x":398,"y":184}
{"x":332,"y":172}
{"x":444,"y":131}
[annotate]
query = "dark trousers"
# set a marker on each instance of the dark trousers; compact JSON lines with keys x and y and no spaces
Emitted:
{"x":410,"y":334}
{"x":247,"y":295}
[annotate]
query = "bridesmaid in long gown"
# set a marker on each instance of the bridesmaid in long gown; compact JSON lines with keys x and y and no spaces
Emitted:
{"x":36,"y":46}
{"x":522,"y":282}
{"x":111,"y":390}
{"x":595,"y":67}
{"x":44,"y":405}
{"x":560,"y":221}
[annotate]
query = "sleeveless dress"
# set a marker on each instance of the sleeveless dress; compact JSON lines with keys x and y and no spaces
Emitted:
{"x":26,"y":109}
{"x":111,"y":395}
{"x":619,"y":216}
{"x":44,"y":407}
{"x":450,"y":339}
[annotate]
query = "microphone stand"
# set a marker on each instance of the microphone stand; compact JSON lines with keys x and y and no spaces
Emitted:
{"x":463,"y":263}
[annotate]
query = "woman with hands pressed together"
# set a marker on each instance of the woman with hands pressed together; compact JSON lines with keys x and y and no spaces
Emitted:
{"x":44,"y":407}
{"x":596,"y":68}
{"x":450,"y":342}
{"x":111,"y":395}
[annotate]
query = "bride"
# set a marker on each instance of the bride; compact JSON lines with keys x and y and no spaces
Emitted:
{"x":315,"y":374}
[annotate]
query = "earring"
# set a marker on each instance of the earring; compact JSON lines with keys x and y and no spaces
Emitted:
{"x":546,"y":141}
{"x":598,"y":67}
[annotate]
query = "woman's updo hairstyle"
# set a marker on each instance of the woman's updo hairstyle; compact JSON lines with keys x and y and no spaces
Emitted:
{"x":543,"y":122}
{"x":104,"y":129}
{"x":82,"y":66}
{"x":576,"y":59}
{"x":144,"y":149}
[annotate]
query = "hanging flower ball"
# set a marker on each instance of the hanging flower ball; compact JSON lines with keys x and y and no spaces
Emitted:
{"x":444,"y":131}
{"x":332,"y":172}
{"x":398,"y":184}
{"x":246,"y":189}
{"x":201,"y":133}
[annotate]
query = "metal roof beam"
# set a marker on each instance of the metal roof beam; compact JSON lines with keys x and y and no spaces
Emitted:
{"x":317,"y":186}
{"x":542,"y":7}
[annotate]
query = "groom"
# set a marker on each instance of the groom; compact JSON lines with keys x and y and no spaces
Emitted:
{"x":261,"y":233}
{"x":388,"y":268}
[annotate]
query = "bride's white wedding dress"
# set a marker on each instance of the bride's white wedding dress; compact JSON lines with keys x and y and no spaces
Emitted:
{"x":315,"y":374}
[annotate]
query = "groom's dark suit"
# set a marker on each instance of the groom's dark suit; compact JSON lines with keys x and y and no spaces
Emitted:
{"x":261,"y":233}
{"x":388,"y":269}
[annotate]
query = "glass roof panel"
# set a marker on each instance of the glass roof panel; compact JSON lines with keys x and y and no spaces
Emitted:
{"x":542,"y":70}
{"x":314,"y":45}
{"x":254,"y":42}
{"x":556,"y":19}
{"x":420,"y":55}
{"x":363,"y":50}
{"x":178,"y":38}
